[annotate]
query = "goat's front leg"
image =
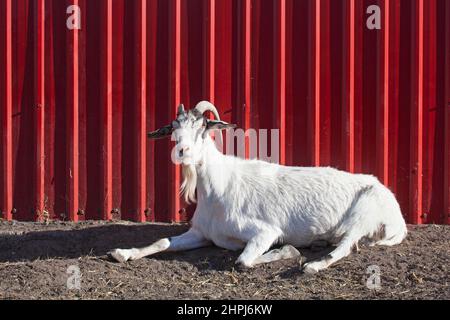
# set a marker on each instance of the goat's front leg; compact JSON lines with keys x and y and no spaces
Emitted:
{"x":192,"y":239}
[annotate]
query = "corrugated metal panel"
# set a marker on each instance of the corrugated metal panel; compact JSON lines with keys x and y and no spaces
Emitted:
{"x":75,"y":104}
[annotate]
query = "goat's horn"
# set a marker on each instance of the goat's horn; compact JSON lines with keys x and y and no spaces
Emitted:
{"x":204,"y":106}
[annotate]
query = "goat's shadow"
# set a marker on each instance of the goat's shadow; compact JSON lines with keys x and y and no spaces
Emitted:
{"x":98,"y":240}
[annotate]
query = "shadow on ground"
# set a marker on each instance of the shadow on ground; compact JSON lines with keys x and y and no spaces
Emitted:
{"x":98,"y":240}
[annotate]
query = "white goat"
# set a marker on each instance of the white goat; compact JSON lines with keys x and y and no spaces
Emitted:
{"x":253,"y":204}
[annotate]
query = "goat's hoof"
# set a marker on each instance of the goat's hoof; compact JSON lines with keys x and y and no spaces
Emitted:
{"x":288,"y":252}
{"x":311,"y":268}
{"x":242,"y":266}
{"x":120,"y":255}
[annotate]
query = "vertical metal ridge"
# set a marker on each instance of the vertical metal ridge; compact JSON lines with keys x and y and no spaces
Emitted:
{"x":39,"y":109}
{"x":420,"y":116}
{"x":174,"y":98}
{"x":246,"y":39}
{"x":7,"y":119}
{"x":209,"y":49}
{"x":383,"y":107}
{"x":106,"y":139}
{"x":141,"y":116}
{"x":351,"y":142}
{"x":315,"y":73}
{"x":349,"y":85}
{"x":72,"y":164}
{"x":446,"y":209}
{"x":280,"y":73}
{"x":247,"y":81}
{"x":416,"y":142}
{"x":386,"y":93}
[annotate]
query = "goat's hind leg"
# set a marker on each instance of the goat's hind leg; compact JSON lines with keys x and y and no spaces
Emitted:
{"x":362,"y":220}
{"x":191,"y":239}
{"x":343,"y":249}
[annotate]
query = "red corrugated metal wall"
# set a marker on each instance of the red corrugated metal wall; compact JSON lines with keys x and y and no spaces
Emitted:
{"x":76,"y":104}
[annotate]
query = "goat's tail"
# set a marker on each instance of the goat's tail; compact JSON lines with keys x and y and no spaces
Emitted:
{"x":396,"y":227}
{"x":375,"y":216}
{"x":379,"y":207}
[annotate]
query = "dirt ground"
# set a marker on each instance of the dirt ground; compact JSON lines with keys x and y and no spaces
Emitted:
{"x":35,"y":260}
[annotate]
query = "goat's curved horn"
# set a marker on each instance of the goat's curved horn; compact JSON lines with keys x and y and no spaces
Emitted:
{"x":204,"y":106}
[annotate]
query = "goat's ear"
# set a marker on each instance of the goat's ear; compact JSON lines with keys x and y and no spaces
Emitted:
{"x":163,"y":132}
{"x":218,"y":125}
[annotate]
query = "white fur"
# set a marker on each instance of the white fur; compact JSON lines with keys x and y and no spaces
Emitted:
{"x":187,"y":188}
{"x":253,"y":204}
{"x":241,"y":199}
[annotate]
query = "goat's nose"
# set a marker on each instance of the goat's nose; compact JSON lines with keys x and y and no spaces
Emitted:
{"x":182,"y":150}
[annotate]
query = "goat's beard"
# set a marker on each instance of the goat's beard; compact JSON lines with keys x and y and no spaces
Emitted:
{"x":187,"y":189}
